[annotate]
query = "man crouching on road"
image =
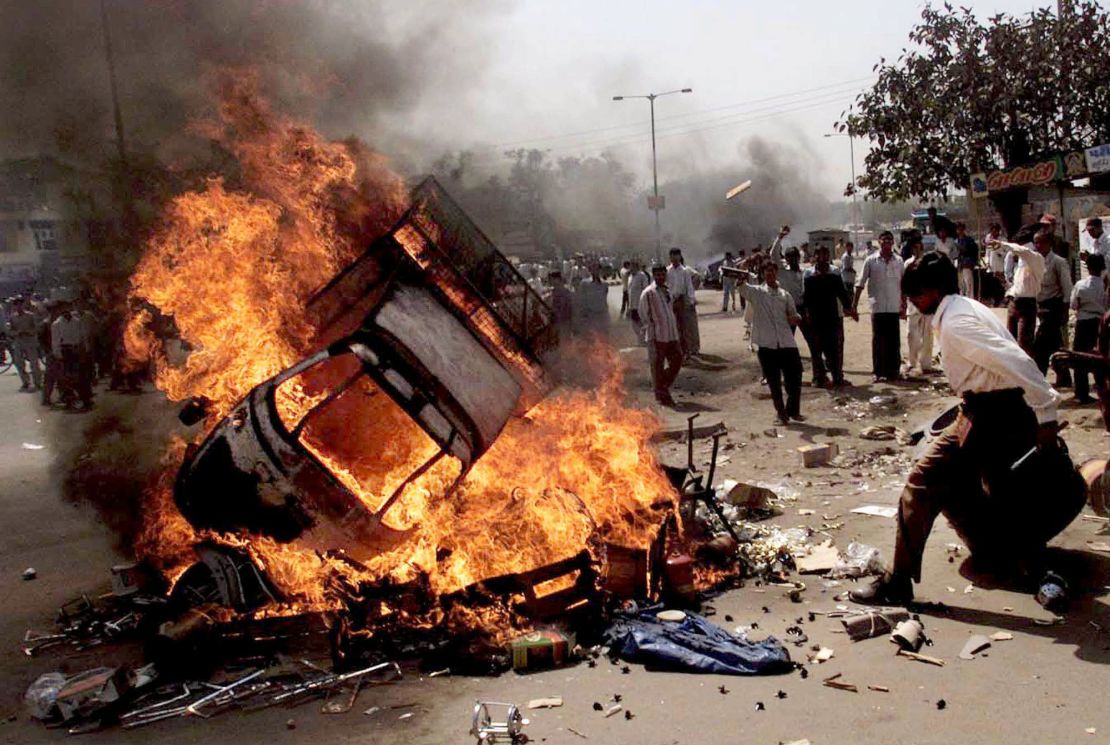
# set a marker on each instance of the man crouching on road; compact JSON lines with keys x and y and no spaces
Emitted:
{"x":1005,"y":506}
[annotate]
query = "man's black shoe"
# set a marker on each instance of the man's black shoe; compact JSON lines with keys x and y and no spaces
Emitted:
{"x":886,"y":590}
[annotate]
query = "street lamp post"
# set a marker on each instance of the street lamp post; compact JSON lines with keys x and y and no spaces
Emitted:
{"x":852,"y":154}
{"x":654,"y":168}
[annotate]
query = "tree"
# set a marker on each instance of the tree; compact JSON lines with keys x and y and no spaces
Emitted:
{"x":971,"y":96}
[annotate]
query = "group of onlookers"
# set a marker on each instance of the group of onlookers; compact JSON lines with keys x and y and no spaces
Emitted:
{"x":62,"y":347}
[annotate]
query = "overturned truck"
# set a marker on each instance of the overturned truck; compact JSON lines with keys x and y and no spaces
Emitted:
{"x":429,"y":342}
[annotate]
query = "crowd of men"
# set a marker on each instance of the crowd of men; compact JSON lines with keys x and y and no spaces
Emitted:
{"x":61,"y":347}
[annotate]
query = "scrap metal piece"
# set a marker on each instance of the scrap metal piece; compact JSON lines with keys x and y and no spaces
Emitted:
{"x":488,"y":730}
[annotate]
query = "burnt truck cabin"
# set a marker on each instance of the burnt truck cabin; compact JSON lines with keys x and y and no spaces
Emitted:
{"x":432,"y":322}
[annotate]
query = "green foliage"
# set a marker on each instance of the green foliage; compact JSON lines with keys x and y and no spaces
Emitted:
{"x":969,"y":96}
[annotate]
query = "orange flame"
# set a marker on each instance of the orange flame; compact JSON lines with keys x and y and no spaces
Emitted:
{"x":234,"y":265}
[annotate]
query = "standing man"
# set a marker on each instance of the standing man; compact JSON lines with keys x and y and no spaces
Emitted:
{"x":728,"y":284}
{"x":661,"y":331}
{"x":562,"y":306}
{"x":882,"y":276}
{"x":592,"y":295}
{"x":920,"y":332}
{"x":848,"y":266}
{"x":1052,"y":304}
{"x":626,"y":269}
{"x":945,"y":245}
{"x":53,"y":365}
{"x":638,"y":281}
{"x":1088,"y":300}
{"x":967,"y":252}
{"x":824,"y":295}
{"x":1060,"y":247}
{"x":967,"y":473}
{"x":680,"y":283}
{"x":1026,"y":271}
{"x":1100,"y":243}
{"x":773,"y":320}
{"x":67,"y":338}
{"x":25,"y":345}
{"x":996,"y":257}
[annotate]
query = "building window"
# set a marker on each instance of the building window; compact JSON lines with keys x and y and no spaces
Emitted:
{"x":45,"y":236}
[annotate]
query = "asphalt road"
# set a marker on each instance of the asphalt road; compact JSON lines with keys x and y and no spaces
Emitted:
{"x":1049,"y":684}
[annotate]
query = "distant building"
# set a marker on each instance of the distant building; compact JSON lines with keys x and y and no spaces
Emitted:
{"x":46,"y":222}
{"x":828,"y":237}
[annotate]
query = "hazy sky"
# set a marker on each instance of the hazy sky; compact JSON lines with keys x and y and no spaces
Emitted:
{"x":547,"y":71}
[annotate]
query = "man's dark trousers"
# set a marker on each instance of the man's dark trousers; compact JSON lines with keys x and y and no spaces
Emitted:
{"x":886,"y":345}
{"x":783,"y":366}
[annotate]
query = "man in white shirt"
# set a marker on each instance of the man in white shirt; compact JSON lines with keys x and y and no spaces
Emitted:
{"x":1028,"y":271}
{"x":626,"y":270}
{"x":919,"y":338}
{"x":680,"y":283}
{"x":591,"y":313}
{"x":1100,"y":243}
{"x":996,"y":254}
{"x":774,"y":317}
{"x":945,"y":244}
{"x":1052,"y":304}
{"x":881,"y":274}
{"x":999,"y":473}
{"x":70,"y":345}
{"x":661,"y":331}
{"x":728,"y":284}
{"x":638,"y":281}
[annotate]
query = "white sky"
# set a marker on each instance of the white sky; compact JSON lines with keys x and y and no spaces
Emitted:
{"x":549,"y":68}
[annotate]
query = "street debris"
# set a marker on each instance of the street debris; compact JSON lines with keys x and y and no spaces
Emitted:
{"x":824,"y":654}
{"x":909,"y":635}
{"x":921,"y":658}
{"x":873,"y":622}
{"x":858,"y":560}
{"x":878,"y":688}
{"x":29,"y":574}
{"x":1001,"y":636}
{"x":942,"y":705}
{"x":817,"y":559}
{"x":974,"y":646}
{"x":509,"y":728}
{"x":546,"y":703}
{"x":877,"y":510}
{"x":819,"y":454}
{"x":32,"y":446}
{"x":835,"y":682}
{"x":1052,"y":594}
{"x":886,"y":432}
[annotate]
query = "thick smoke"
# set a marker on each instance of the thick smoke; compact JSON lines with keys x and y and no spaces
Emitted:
{"x":783,"y":192}
{"x":345,"y":66}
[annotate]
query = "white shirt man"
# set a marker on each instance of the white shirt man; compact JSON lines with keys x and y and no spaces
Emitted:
{"x":680,"y":283}
{"x":980,"y":355}
{"x":1029,"y":268}
{"x":1097,"y":242}
{"x":68,"y":330}
{"x":772,"y":309}
{"x":883,"y":279}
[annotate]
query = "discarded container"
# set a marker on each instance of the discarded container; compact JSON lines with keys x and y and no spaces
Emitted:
{"x":1053,"y":592}
{"x":858,"y":560}
{"x":540,"y":650}
{"x":909,"y":635}
{"x":679,"y":578}
{"x":86,"y":693}
{"x":818,"y":455}
{"x":42,"y":695}
{"x":626,"y":571}
{"x":873,"y":623}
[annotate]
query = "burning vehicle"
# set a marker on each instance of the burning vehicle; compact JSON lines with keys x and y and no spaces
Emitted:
{"x":431,"y":317}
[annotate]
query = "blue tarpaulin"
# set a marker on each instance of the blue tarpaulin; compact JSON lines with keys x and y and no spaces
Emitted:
{"x":693,"y":645}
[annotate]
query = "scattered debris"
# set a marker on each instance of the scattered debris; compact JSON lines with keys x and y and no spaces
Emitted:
{"x":1001,"y":636}
{"x":614,"y":709}
{"x":576,"y":733}
{"x":818,"y":455}
{"x":858,"y":560}
{"x":723,"y":690}
{"x":877,"y":510}
{"x":909,"y":635}
{"x":628,"y":716}
{"x":886,"y":432}
{"x":759,"y":706}
{"x":835,"y":682}
{"x":873,"y":622}
{"x":32,"y":446}
{"x":546,"y":703}
{"x":942,"y":704}
{"x":598,"y":706}
{"x":541,"y":650}
{"x":824,"y":654}
{"x":29,"y":574}
{"x":818,"y":559}
{"x":879,"y":689}
{"x":974,"y":646}
{"x":1053,"y":592}
{"x":488,"y":730}
{"x":921,"y":658}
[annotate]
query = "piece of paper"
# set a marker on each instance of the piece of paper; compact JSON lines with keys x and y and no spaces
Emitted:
{"x":821,"y":558}
{"x":877,"y":510}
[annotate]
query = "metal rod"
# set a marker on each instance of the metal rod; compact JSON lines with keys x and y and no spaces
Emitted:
{"x":713,"y":460}
{"x":194,"y":708}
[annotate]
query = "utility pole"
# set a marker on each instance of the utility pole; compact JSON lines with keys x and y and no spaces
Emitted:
{"x":120,"y":145}
{"x":655,"y":203}
{"x":855,"y":203}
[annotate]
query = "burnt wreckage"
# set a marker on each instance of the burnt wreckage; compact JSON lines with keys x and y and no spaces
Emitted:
{"x":433,"y":316}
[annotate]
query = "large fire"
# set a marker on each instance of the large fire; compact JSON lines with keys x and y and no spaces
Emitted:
{"x":234,"y":265}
